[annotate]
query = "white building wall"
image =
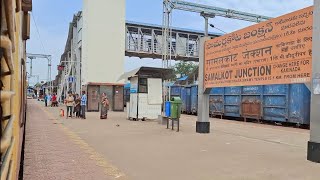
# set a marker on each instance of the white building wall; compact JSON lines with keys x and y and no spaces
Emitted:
{"x":103,"y":40}
{"x":78,"y":52}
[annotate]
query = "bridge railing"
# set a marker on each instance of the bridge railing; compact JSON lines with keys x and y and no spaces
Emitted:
{"x":145,"y":41}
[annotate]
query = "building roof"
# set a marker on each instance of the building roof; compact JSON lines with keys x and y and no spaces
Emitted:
{"x":183,"y":78}
{"x":104,"y":84}
{"x":152,"y":72}
{"x":185,"y":30}
{"x":169,"y":84}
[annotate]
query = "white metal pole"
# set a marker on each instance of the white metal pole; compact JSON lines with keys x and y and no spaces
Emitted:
{"x":30,"y":66}
{"x":50,"y":74}
{"x":203,"y":123}
{"x":48,"y":79}
{"x":206,"y":26}
{"x":314,"y":143}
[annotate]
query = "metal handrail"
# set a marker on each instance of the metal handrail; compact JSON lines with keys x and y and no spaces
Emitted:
{"x":6,"y":161}
{"x":18,"y":6}
{"x":10,"y":14}
{"x":10,"y":171}
{"x":6,"y":95}
{"x":6,"y":44}
{"x":6,"y":136}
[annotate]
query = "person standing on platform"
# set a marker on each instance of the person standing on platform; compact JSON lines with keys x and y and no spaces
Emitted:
{"x":83,"y":105}
{"x":70,"y":103}
{"x":104,"y":106}
{"x":49,"y":99}
{"x":74,"y":96}
{"x":54,"y":101}
{"x":45,"y":100}
{"x":77,"y":106}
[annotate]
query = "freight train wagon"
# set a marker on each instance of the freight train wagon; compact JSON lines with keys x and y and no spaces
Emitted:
{"x":181,"y":91}
{"x":278,"y":103}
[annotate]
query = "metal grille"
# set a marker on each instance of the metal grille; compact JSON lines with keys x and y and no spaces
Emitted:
{"x":146,"y":41}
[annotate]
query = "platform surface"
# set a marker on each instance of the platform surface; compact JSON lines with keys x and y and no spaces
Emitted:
{"x":146,"y":150}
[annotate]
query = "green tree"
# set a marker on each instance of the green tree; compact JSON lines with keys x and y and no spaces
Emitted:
{"x":183,"y":68}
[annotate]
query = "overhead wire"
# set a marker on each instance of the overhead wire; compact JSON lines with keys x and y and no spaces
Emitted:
{"x":213,"y":26}
{"x":41,"y":42}
{"x":221,"y":30}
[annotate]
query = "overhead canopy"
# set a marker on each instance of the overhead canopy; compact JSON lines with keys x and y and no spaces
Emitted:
{"x":150,"y":72}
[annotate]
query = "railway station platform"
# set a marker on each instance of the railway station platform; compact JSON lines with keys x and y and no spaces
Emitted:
{"x":51,"y":152}
{"x":116,"y":148}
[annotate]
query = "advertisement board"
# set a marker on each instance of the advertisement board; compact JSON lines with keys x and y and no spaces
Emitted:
{"x":277,"y":51}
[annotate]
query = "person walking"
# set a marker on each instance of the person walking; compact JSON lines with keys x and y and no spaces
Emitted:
{"x":104,"y":106}
{"x":83,"y":104}
{"x":45,"y":100}
{"x":70,"y":103}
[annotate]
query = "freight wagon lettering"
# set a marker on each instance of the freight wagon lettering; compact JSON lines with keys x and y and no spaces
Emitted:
{"x":250,"y":88}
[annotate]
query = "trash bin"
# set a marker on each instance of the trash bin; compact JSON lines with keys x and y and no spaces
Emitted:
{"x":175,"y":107}
{"x":167,"y":108}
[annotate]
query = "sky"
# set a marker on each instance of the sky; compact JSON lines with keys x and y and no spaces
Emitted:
{"x":51,"y":19}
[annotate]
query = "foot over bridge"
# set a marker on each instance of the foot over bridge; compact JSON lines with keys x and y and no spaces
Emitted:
{"x":145,"y":41}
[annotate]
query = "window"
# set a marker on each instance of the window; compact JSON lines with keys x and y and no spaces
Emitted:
{"x":23,"y":93}
{"x":143,"y":85}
